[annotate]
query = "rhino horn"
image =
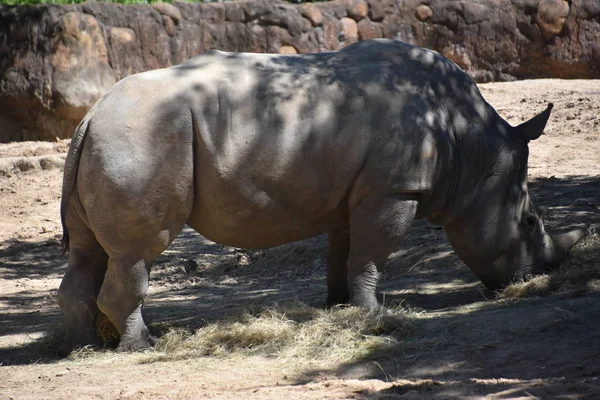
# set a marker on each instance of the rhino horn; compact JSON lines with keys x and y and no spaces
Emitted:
{"x":562,"y":243}
{"x":533,"y":129}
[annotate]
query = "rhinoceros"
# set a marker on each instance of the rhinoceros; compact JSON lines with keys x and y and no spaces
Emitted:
{"x":258,"y":150}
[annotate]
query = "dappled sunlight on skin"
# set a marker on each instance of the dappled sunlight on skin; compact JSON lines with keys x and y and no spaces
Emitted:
{"x":335,"y":65}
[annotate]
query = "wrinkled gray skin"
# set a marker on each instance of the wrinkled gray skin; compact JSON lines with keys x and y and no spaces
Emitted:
{"x":254,"y":151}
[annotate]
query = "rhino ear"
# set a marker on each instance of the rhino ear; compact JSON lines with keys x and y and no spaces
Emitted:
{"x":533,"y":129}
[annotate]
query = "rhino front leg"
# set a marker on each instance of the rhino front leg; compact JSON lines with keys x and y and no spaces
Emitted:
{"x":377,"y":225}
{"x":337,"y":266}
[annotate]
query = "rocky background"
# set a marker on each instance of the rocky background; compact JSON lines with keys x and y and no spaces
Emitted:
{"x":56,"y":60}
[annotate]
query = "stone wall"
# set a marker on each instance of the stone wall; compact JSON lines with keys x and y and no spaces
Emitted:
{"x":56,"y":60}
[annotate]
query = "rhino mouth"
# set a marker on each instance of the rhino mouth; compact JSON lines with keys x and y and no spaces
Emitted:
{"x":555,"y":251}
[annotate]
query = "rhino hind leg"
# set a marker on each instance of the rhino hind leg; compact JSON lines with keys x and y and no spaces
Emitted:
{"x":377,"y":225}
{"x":337,"y":267}
{"x":120,"y":299}
{"x":133,"y":237}
{"x":80,"y":286}
{"x":131,"y":249}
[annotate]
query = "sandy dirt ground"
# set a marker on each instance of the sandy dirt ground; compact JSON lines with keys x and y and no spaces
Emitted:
{"x":465,"y":344}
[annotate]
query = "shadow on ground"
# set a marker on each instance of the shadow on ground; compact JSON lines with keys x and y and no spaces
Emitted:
{"x":459,"y":335}
{"x":587,"y":388}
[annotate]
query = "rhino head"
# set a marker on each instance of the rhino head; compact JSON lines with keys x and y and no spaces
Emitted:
{"x":501,"y":236}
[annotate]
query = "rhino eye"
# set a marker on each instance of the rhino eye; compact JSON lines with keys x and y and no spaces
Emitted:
{"x":531,"y":220}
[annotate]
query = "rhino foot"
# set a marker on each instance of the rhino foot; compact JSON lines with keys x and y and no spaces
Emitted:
{"x":128,"y":344}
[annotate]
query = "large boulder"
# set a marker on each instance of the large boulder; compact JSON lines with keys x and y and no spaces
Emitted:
{"x":56,"y":60}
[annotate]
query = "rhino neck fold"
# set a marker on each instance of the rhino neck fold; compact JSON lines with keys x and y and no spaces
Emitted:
{"x":468,"y":159}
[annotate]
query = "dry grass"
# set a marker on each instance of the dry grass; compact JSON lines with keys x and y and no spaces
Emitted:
{"x":294,"y":331}
{"x":297,"y":331}
{"x":579,"y":274}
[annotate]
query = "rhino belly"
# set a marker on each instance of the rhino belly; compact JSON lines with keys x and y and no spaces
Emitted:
{"x":253,"y":228}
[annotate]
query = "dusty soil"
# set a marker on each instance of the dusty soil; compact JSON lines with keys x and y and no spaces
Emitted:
{"x":465,"y":343}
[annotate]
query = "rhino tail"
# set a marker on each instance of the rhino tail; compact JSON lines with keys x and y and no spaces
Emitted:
{"x":70,"y":175}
